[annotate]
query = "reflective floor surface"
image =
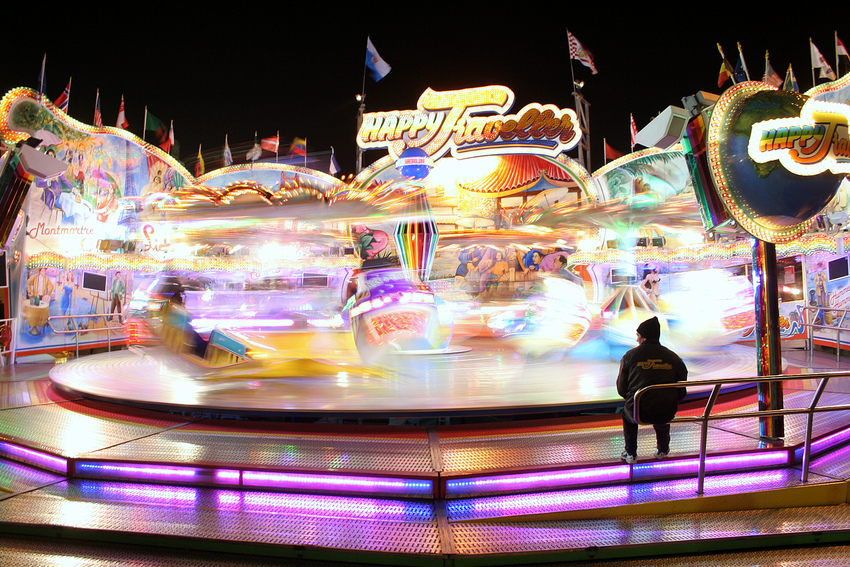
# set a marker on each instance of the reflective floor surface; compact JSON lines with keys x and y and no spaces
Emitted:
{"x":485,"y":378}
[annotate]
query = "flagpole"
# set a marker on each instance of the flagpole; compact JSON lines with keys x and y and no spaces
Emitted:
{"x":145,"y":124}
{"x":812,"y":61}
{"x":361,"y":110}
{"x":743,"y":62}
{"x":723,"y":56}
{"x":837,"y":62}
{"x":766,"y":63}
{"x":42,"y":79}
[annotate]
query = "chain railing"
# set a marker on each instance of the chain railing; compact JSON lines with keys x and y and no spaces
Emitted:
{"x":70,"y":325}
{"x":707,"y":416}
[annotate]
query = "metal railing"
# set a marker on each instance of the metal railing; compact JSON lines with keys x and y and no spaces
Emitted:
{"x":837,"y":328}
{"x":70,"y":326}
{"x":706,"y":416}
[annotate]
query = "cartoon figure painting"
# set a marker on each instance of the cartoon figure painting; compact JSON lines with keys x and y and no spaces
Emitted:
{"x":369,"y":242}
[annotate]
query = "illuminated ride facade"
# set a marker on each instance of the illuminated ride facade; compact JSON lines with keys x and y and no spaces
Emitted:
{"x":490,"y":221}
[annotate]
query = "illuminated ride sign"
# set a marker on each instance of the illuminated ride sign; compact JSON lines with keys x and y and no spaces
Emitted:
{"x":769,"y":153}
{"x":471,"y":122}
{"x":814,"y":142}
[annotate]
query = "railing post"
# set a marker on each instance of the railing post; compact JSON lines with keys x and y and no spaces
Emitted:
{"x":810,"y":422}
{"x":703,"y":439}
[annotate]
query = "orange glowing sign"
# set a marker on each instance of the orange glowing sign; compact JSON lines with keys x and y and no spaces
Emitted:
{"x":471,"y":122}
{"x":815,"y":142}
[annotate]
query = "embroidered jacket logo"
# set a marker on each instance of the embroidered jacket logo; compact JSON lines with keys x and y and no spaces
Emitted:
{"x":655,"y":364}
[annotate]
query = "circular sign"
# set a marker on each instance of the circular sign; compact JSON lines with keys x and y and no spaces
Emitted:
{"x":414,"y":163}
{"x":768,"y":201}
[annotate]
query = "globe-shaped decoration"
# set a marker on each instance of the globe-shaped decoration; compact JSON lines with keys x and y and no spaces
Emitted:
{"x":767,"y":200}
{"x":414,"y":163}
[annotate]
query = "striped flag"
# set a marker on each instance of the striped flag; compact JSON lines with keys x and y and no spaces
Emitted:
{"x":199,"y":167}
{"x":581,"y":53}
{"x":98,"y":117}
{"x":298,"y":147}
{"x":842,"y":58}
{"x":122,"y":118}
{"x":271,"y":144}
{"x":771,"y":77}
{"x":63,"y":99}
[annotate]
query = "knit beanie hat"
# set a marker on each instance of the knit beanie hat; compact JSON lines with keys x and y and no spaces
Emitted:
{"x":650,"y":329}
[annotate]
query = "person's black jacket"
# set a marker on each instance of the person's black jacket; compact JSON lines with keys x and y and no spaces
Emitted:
{"x":646,"y":364}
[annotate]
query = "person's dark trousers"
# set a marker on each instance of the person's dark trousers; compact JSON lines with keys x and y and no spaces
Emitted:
{"x":630,"y":434}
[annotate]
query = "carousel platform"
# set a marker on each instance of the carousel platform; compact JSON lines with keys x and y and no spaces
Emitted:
{"x":110,"y":481}
{"x":483,"y":379}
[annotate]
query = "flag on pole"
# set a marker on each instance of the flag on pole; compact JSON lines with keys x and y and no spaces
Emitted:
{"x":170,"y":137}
{"x":726,"y":70}
{"x":98,"y":117}
{"x":157,"y":126}
{"x":790,"y":83}
{"x":333,"y":167}
{"x":818,"y":62}
{"x":842,"y":58}
{"x":375,"y":62}
{"x":42,"y":77}
{"x":228,"y":157}
{"x":63,"y":99}
{"x":270,"y":144}
{"x":298,"y":147}
{"x":632,"y":130}
{"x":611,"y":153}
{"x":199,"y":167}
{"x":580,"y":53}
{"x":771,"y":77}
{"x":122,"y":118}
{"x":741,"y":72}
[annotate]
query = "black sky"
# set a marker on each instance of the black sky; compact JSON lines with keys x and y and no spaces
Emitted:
{"x":297,"y":70}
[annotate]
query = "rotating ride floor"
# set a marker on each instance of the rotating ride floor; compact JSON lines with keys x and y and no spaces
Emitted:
{"x":332,"y":522}
{"x":486,"y":379}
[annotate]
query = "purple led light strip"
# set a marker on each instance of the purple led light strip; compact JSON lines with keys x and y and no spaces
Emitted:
{"x":538,"y":480}
{"x":33,"y":457}
{"x":552,"y":479}
{"x":325,"y":482}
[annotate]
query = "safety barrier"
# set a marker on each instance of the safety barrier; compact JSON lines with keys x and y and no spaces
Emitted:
{"x":70,"y":326}
{"x":823,"y":378}
{"x":810,"y":327}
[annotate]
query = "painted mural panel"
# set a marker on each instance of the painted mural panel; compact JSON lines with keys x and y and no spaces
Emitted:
{"x":112,"y":177}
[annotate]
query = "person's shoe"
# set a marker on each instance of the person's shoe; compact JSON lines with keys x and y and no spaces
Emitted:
{"x":661,"y":455}
{"x":630,"y":459}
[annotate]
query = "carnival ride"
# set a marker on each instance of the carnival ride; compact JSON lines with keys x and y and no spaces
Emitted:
{"x":287,"y":270}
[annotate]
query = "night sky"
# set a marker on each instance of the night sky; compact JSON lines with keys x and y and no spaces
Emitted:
{"x":297,"y":70}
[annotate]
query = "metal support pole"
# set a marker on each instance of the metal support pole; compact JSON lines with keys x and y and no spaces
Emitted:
{"x":766,"y":290}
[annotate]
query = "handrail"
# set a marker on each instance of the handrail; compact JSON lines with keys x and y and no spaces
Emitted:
{"x":76,"y":331}
{"x":706,"y":416}
{"x":837,"y":328}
